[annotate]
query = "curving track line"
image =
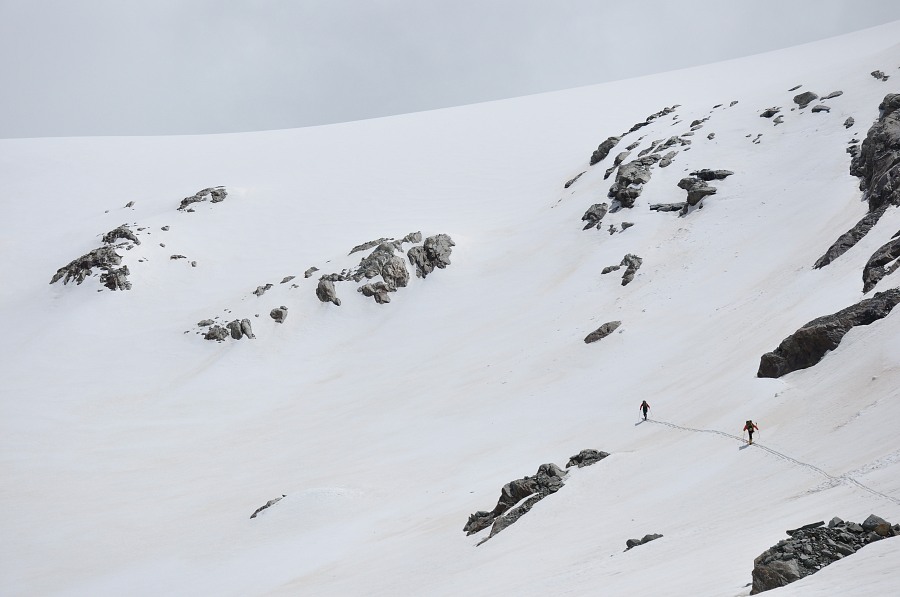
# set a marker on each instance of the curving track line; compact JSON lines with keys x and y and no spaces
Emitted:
{"x":845,"y":478}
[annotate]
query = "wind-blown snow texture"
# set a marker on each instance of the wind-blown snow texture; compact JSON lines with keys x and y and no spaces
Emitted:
{"x":133,"y":453}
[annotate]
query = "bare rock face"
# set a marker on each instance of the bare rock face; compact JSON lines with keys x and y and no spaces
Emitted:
{"x":877,"y":164}
{"x":435,"y":253}
{"x":122,"y":231}
{"x":883,"y":262}
{"x":812,"y":547}
{"x":604,"y":148}
{"x":594,"y":215}
{"x":804,"y":99}
{"x":808,"y":345}
{"x":373,"y":264}
{"x":395,"y":274}
{"x":212,"y":194}
{"x":326,"y":293}
{"x":602,"y":332}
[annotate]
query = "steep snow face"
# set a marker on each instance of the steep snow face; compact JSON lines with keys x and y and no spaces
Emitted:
{"x":134,"y":452}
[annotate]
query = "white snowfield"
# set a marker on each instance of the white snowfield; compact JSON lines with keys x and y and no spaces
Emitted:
{"x":132,"y":454}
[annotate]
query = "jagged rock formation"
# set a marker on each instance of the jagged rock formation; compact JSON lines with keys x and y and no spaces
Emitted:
{"x":804,"y":99}
{"x":268,"y":504}
{"x":630,"y":180}
{"x":279,"y":314}
{"x":621,"y":157}
{"x":594,"y":215}
{"x":696,"y":189}
{"x":603,"y":149}
{"x":122,"y":231}
{"x":116,"y":278}
{"x":667,"y":159}
{"x":104,"y":258}
{"x":808,"y":345}
{"x":435,"y":253}
{"x":632,"y":264}
{"x":586,"y":458}
{"x":877,"y":165}
{"x":645,"y":539}
{"x":212,"y":194}
{"x":610,"y":268}
{"x":326,"y":293}
{"x":602,"y":332}
{"x":812,"y":547}
{"x":884,"y":261}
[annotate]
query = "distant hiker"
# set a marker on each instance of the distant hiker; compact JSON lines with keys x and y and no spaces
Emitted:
{"x":644,"y":407}
{"x":750,"y":427}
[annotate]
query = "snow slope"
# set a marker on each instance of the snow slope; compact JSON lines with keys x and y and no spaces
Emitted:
{"x":133,"y":452}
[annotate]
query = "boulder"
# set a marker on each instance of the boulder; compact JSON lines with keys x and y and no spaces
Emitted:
{"x":667,"y":206}
{"x":821,"y":108}
{"x":279,"y":314}
{"x":287,"y":279}
{"x":586,"y":458}
{"x":879,"y":75}
{"x":435,"y":253}
{"x":395,"y":274}
{"x":667,"y":159}
{"x":246,"y":329}
{"x":217,"y":333}
{"x":630,"y":180}
{"x":326,"y":293}
{"x":602,"y":332}
{"x":696,"y":189}
{"x":610,"y":268}
{"x":603,"y":149}
{"x":804,"y":99}
{"x":770,"y":112}
{"x":809,"y":344}
{"x":849,"y":122}
{"x":379,"y":290}
{"x":594,"y":215}
{"x":116,"y":278}
{"x":122,"y":231}
{"x":831,"y":95}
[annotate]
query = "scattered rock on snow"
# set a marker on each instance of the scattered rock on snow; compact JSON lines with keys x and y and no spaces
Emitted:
{"x":645,"y":539}
{"x":378,"y":290}
{"x":809,"y":344}
{"x":770,"y":112}
{"x":879,"y":75}
{"x":326,"y":293}
{"x":287,"y":279}
{"x":804,"y":99}
{"x":435,"y":253}
{"x":279,"y":314}
{"x":603,"y":149}
{"x":633,"y":264}
{"x":216,"y":332}
{"x":268,"y":504}
{"x":602,"y":332}
{"x":821,"y":108}
{"x":310,"y":272}
{"x":261,"y":290}
{"x":831,"y":95}
{"x":212,"y":194}
{"x":572,"y":181}
{"x":122,"y":231}
{"x":594,"y":215}
{"x":586,"y":458}
{"x":849,"y":122}
{"x":630,"y":180}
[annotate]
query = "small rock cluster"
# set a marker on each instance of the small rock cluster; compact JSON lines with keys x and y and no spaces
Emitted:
{"x":519,"y":496}
{"x":105,"y":258}
{"x":632,"y":264}
{"x":237,"y":329}
{"x":814,"y":546}
{"x":645,"y":539}
{"x":212,"y":194}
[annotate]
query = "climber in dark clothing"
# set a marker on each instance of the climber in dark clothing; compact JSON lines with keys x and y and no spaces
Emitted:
{"x":644,"y":407}
{"x":750,"y":427}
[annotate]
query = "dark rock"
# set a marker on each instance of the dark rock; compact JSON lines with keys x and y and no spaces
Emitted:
{"x":770,"y":112}
{"x":165,"y":228}
{"x":310,"y":272}
{"x":831,"y":95}
{"x":849,"y":122}
{"x":627,"y":225}
{"x":212,"y":194}
{"x":804,"y":99}
{"x":733,"y":104}
{"x":616,"y":162}
{"x":373,"y":264}
{"x":217,"y":333}
{"x":435,"y":253}
{"x":129,"y":204}
{"x":261,"y":290}
{"x":586,"y":458}
{"x":287,"y":279}
{"x":821,"y":108}
{"x":835,"y":522}
{"x":122,"y":231}
{"x":776,"y":573}
{"x":630,"y":180}
{"x":879,"y":75}
{"x":205,"y":323}
{"x":668,"y":206}
{"x":795,"y":87}
{"x":878,"y":525}
{"x":667,"y":159}
{"x":883,"y":262}
{"x":603,"y":149}
{"x":246,"y":329}
{"x":368,"y":245}
{"x":778,"y":120}
{"x":116,"y":279}
{"x":78,"y":269}
{"x":268,"y":504}
{"x":711,"y":136}
{"x":378,"y":290}
{"x":602,"y":332}
{"x":645,"y":539}
{"x":279,"y":314}
{"x":235,"y":328}
{"x":696,"y":189}
{"x":176,"y":257}
{"x":594,"y":215}
{"x":395,"y":274}
{"x":633,"y":264}
{"x":610,"y":268}
{"x":646,"y":150}
{"x":634,"y":145}
{"x":808,"y":345}
{"x":806,"y":527}
{"x":326,"y":293}
{"x":707,"y":175}
{"x":572,"y":181}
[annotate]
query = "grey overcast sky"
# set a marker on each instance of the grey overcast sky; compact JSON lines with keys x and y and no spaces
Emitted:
{"x":148,"y":67}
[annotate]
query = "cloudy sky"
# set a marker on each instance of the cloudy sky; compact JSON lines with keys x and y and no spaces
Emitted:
{"x":138,"y":67}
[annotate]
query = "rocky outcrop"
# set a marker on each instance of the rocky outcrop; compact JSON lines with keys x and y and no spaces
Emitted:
{"x":326,"y":293}
{"x":104,"y":258}
{"x":268,"y":504}
{"x":603,"y":149}
{"x":279,"y":314}
{"x":216,"y":332}
{"x":435,"y":253}
{"x":602,"y":332}
{"x":805,"y":98}
{"x":884,"y":261}
{"x":666,"y":160}
{"x":122,"y":231}
{"x":308,"y":273}
{"x":632,"y":264}
{"x":594,"y":215}
{"x":770,"y":112}
{"x":707,"y":175}
{"x":808,"y":345}
{"x":212,"y":194}
{"x":630,"y":180}
{"x":586,"y":458}
{"x":116,"y":278}
{"x":287,"y":279}
{"x":814,"y":546}
{"x":373,"y":264}
{"x":645,"y":539}
{"x":877,"y":164}
{"x":395,"y":274}
{"x":378,"y":290}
